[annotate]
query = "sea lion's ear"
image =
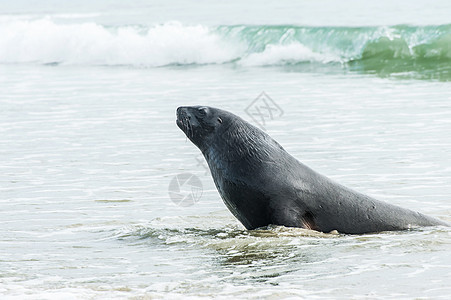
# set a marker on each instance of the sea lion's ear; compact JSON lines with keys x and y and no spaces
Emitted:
{"x":219,"y":120}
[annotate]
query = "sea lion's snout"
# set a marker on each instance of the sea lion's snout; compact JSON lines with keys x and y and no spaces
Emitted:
{"x":198,"y":123}
{"x":181,"y":118}
{"x":187,"y":121}
{"x":183,"y":115}
{"x":180,"y":112}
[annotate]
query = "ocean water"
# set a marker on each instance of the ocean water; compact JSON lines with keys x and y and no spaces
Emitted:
{"x":89,"y":145}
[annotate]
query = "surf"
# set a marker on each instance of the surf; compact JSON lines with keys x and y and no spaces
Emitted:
{"x":401,"y":49}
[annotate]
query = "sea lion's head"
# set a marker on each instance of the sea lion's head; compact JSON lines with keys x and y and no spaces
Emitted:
{"x":201,"y":123}
{"x":234,"y":138}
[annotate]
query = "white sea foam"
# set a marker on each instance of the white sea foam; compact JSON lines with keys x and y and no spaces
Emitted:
{"x":44,"y":41}
{"x":57,"y":40}
{"x":286,"y":54}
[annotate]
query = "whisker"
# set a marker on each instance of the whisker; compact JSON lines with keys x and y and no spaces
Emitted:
{"x":192,"y":131}
{"x":190,"y":128}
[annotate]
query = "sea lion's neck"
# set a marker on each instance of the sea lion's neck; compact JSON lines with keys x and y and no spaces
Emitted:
{"x":241,"y":144}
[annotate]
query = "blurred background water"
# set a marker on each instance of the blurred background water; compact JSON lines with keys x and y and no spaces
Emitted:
{"x":89,"y":145}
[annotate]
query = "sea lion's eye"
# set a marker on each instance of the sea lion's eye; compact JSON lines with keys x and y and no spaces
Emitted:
{"x":202,"y":111}
{"x":219,"y":120}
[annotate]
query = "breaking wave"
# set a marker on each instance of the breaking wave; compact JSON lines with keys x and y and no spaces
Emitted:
{"x":392,"y":49}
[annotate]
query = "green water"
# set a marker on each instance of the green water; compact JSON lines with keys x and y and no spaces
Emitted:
{"x":422,"y":52}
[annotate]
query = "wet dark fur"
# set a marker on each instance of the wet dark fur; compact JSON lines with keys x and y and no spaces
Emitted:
{"x":262,"y":184}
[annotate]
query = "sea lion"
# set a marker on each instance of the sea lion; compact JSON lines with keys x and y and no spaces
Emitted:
{"x":261,"y":184}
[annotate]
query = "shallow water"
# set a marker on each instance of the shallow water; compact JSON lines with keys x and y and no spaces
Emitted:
{"x":89,"y":150}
